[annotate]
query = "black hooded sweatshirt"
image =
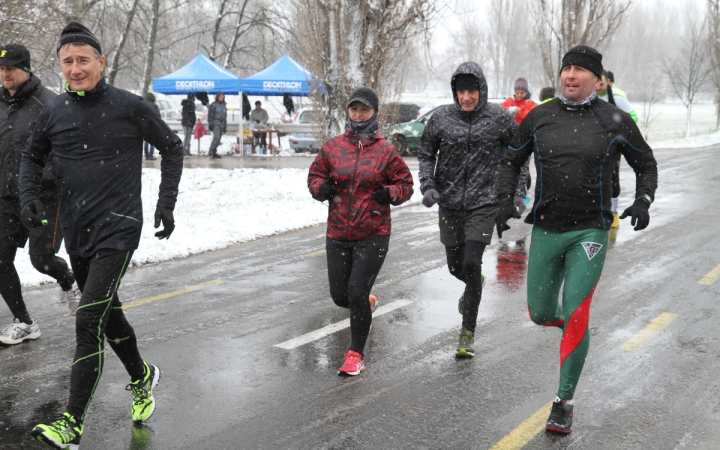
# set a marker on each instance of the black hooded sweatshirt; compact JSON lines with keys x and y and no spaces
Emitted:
{"x":468,"y":148}
{"x":97,"y":137}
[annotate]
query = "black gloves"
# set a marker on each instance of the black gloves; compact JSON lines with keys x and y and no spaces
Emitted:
{"x":33,"y":214}
{"x":430,"y":197}
{"x":639,"y":212}
{"x":381,"y":196}
{"x":164,"y":215}
{"x":327,"y":190}
{"x":506,"y":211}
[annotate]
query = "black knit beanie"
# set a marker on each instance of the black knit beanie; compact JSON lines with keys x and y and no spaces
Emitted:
{"x":585,"y":57}
{"x":76,"y":33}
{"x":364,"y":95}
{"x":467,"y":82}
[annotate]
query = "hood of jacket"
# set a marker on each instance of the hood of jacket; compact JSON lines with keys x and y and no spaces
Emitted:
{"x":471,"y":68}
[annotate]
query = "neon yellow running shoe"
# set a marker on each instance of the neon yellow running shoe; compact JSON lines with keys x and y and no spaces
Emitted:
{"x":142,"y":392}
{"x":63,"y":433}
{"x":465,"y":345}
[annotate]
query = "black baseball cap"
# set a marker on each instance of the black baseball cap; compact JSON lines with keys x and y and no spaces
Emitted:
{"x":15,"y":55}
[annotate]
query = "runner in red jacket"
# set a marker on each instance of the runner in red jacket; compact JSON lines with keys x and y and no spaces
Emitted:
{"x":360,"y":175}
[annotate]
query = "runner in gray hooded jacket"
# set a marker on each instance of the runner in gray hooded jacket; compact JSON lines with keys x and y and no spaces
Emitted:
{"x":460,"y":152}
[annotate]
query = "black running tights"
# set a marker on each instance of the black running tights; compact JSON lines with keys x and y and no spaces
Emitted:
{"x":10,"y":284}
{"x":465,"y":263}
{"x":55,"y":267}
{"x":352,"y":269}
{"x":99,"y":316}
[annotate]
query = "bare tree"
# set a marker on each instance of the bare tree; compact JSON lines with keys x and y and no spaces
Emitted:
{"x":562,"y":24}
{"x":713,"y":23}
{"x":647,"y":114}
{"x":689,"y":71}
{"x":114,"y":65}
{"x":351,"y":43}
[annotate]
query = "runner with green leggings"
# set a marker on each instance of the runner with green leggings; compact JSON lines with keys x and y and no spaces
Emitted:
{"x":576,"y":141}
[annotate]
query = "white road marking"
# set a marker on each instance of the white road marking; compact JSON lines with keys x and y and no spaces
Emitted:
{"x":335,"y":327}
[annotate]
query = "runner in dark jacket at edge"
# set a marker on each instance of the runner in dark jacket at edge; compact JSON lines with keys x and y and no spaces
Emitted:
{"x":96,"y":132}
{"x":467,"y":140}
{"x":22,"y":96}
{"x":360,"y":175}
{"x":576,"y":139}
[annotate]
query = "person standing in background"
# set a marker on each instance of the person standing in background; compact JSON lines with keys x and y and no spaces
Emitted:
{"x":188,"y":121}
{"x":288,"y":103}
{"x":217,"y":119}
{"x":520,"y":104}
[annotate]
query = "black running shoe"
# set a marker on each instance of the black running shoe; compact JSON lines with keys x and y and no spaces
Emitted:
{"x":561,"y":415}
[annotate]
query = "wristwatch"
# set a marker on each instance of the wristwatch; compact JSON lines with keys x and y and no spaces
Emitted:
{"x":645,"y":197}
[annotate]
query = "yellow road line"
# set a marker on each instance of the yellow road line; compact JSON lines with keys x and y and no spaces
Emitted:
{"x":319,"y":252}
{"x":527,"y":430}
{"x":173,"y":294}
{"x":432,"y":222}
{"x":711,"y":277}
{"x":650,"y":331}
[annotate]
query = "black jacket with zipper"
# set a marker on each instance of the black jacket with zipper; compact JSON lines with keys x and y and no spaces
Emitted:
{"x":460,"y":151}
{"x":17,"y":120}
{"x":575,"y":150}
{"x":97,"y":137}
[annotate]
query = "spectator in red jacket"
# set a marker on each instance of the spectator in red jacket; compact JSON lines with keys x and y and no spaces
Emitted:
{"x":521,"y":104}
{"x":360,"y":175}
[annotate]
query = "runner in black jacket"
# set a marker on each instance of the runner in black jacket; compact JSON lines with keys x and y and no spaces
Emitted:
{"x":96,"y":132}
{"x":576,"y":140}
{"x":21,"y":99}
{"x":460,"y":152}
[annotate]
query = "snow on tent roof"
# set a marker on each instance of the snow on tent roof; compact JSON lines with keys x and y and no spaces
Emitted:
{"x":284,"y":75}
{"x":199,"y":75}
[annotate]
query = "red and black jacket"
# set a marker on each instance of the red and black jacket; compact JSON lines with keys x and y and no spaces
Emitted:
{"x":358,"y":168}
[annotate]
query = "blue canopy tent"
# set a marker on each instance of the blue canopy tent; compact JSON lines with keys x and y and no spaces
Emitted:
{"x":283,"y":76}
{"x":199,"y":75}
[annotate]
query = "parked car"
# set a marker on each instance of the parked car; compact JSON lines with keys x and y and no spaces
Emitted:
{"x":400,"y":112}
{"x":303,"y":142}
{"x":406,"y":136}
{"x":166,"y":109}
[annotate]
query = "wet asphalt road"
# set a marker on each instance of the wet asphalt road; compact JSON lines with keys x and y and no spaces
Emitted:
{"x":226,"y":386}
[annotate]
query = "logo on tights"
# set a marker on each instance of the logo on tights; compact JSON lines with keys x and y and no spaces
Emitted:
{"x":592,"y":249}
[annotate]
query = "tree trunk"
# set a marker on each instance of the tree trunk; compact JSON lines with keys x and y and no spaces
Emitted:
{"x":121,"y":43}
{"x":687,"y":125}
{"x":155,"y":17}
{"x":216,"y":31}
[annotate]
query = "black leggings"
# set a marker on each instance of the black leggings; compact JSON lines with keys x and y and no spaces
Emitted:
{"x":10,"y":284}
{"x":352,"y":269}
{"x":100,"y":316}
{"x":465,"y":264}
{"x":55,"y":267}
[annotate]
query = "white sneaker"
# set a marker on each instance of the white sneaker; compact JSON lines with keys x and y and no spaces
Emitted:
{"x":18,"y":331}
{"x":72,"y":298}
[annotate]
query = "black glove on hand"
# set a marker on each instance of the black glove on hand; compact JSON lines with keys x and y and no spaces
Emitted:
{"x":164,"y":215}
{"x":430,"y":197}
{"x":640,"y":214}
{"x":506,"y":211}
{"x":327,"y":190}
{"x":381,"y":196}
{"x":519,"y":203}
{"x":33,"y":214}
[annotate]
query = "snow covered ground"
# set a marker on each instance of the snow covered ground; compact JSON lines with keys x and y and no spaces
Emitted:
{"x":219,"y":207}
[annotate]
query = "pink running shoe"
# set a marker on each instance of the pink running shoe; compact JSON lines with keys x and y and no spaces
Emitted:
{"x":353,"y":364}
{"x":374,"y":300}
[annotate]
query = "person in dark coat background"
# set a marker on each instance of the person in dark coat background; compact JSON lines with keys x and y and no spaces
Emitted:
{"x":188,"y":121}
{"x":467,"y":140}
{"x":148,"y":148}
{"x":288,"y":103}
{"x":22,"y":97}
{"x":246,"y":107}
{"x":217,"y":119}
{"x":96,"y":131}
